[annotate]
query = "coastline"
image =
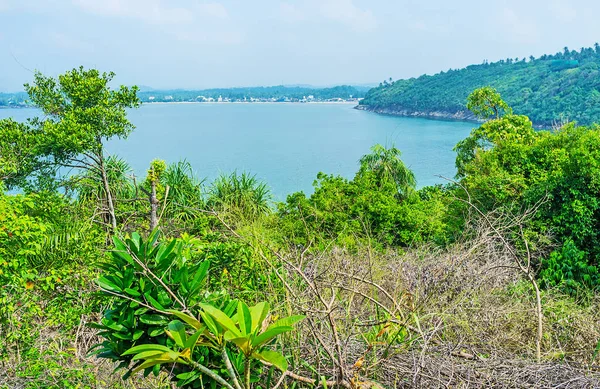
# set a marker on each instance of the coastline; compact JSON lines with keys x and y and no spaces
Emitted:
{"x":460,"y":116}
{"x":250,"y":102}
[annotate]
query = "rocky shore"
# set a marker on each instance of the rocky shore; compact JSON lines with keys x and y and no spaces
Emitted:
{"x":440,"y":115}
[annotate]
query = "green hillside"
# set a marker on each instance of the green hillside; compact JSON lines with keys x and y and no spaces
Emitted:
{"x":551,"y":88}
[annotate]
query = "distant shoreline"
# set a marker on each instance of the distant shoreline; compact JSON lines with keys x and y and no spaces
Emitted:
{"x":250,"y":102}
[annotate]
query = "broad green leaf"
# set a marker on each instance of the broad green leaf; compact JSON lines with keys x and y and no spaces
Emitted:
{"x":153,"y":319}
{"x":193,"y":340}
{"x":272,"y":357}
{"x":138,"y":334}
{"x":268,"y":335}
{"x":119,"y":244}
{"x":166,"y":252}
{"x":153,"y":238}
{"x":201,"y":274}
{"x":244,"y":319}
{"x":230,"y":308}
{"x":108,"y":285}
{"x":221,"y":318}
{"x":176,"y":331}
{"x":210,"y":323}
{"x":132,"y":292}
{"x":118,"y":335}
{"x":114,"y":326}
{"x":135,"y":243}
{"x":146,"y":347}
{"x":156,"y":331}
{"x":140,"y":311}
{"x":167,"y":357}
{"x":146,"y":354}
{"x":192,"y":321}
{"x":259,"y":313}
{"x":153,"y":302}
{"x":286,"y":321}
{"x":126,"y":257}
{"x":242,"y":342}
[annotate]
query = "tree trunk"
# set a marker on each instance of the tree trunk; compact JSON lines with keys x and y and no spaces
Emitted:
{"x":153,"y":207}
{"x":109,"y":200}
{"x":540,"y":318}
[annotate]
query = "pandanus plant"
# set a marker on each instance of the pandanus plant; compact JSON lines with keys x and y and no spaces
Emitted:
{"x":248,"y":329}
{"x":163,"y":315}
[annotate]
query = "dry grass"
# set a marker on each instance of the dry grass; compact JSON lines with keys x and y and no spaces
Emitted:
{"x":460,"y":318}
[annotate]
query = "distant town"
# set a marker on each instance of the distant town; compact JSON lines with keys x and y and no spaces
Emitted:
{"x":221,"y":99}
{"x":269,"y":94}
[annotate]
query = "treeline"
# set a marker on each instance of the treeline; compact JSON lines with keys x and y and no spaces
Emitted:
{"x":278,"y":93}
{"x":548,"y":89}
{"x":275,"y":93}
{"x":369,"y":282}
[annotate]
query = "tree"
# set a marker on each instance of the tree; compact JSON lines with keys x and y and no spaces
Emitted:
{"x":486,"y":103}
{"x":387,"y":166}
{"x":18,"y":147}
{"x":157,"y":168}
{"x":81,"y":112}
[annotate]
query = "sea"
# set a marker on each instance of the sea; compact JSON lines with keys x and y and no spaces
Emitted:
{"x":284,"y":144}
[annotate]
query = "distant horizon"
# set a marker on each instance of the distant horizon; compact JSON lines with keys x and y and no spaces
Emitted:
{"x":302,"y":85}
{"x":147,"y":88}
{"x":178,"y":44}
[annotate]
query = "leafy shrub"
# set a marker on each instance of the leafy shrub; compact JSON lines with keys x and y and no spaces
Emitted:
{"x":153,"y":284}
{"x":241,"y":194}
{"x":569,"y":269}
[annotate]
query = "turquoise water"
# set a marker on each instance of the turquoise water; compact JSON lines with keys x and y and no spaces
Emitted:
{"x":285,"y":145}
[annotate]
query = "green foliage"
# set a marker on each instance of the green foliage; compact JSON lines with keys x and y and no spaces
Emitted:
{"x":506,"y":133}
{"x":386,"y":166}
{"x":157,"y":169}
{"x":153,"y":282}
{"x":379,"y":206}
{"x":164,"y":310}
{"x":88,"y":184}
{"x":546,"y":89}
{"x":45,"y":251}
{"x":506,"y":162}
{"x":19,"y":146}
{"x":56,"y":370}
{"x":185,"y":193}
{"x":243,"y":195}
{"x":125,"y":276}
{"x":80,"y":111}
{"x":569,"y":269}
{"x":486,"y":103}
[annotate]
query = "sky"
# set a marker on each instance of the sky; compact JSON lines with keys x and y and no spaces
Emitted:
{"x":224,"y":43}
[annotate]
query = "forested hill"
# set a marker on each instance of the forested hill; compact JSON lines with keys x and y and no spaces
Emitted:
{"x":551,"y":88}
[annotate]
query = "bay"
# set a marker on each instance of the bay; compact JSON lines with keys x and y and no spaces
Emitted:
{"x":284,"y":144}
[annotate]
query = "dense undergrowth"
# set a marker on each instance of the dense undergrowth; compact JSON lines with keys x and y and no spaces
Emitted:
{"x":490,"y":280}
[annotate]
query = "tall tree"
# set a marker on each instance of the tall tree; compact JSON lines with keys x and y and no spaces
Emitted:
{"x":486,"y":103}
{"x":386,"y":164}
{"x":81,"y":112}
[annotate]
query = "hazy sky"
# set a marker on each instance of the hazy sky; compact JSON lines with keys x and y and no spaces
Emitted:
{"x":197,"y":44}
